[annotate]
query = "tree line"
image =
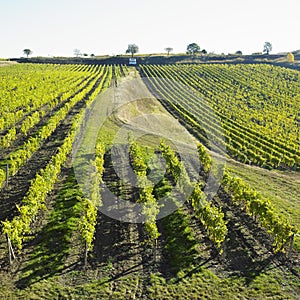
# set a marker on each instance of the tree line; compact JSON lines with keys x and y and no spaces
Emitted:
{"x":192,"y":49}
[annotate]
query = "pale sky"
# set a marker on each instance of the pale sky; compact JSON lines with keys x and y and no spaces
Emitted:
{"x":57,"y":27}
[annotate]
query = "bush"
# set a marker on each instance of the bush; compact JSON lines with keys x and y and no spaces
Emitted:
{"x":290,"y":57}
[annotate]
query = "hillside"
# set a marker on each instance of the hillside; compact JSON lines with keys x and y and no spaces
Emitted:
{"x":126,"y":204}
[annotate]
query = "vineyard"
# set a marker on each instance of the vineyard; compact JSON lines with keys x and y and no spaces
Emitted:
{"x":251,"y":111}
{"x":119,"y":182}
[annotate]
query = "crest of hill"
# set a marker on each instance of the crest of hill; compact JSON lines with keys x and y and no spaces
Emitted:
{"x":161,"y":59}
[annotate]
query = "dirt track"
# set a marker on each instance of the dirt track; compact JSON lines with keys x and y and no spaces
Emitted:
{"x":7,"y":63}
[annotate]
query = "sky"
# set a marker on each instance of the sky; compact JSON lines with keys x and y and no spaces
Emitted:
{"x":57,"y":27}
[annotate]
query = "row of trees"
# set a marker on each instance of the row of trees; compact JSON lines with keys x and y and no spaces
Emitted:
{"x":194,"y":48}
{"x":77,"y":53}
{"x":191,"y":49}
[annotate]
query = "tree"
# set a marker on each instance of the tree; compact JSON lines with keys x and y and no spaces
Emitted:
{"x":77,"y":52}
{"x":132,"y":48}
{"x":239,"y":52}
{"x":92,"y":55}
{"x":267,"y":48}
{"x":27,"y":52}
{"x":290,"y":57}
{"x":203,"y":51}
{"x":169,"y":49}
{"x":192,"y":49}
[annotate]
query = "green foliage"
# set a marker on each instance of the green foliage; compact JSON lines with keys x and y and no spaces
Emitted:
{"x":211,"y":217}
{"x":192,"y":49}
{"x":162,"y":188}
{"x":35,"y":198}
{"x":5,"y":141}
{"x":132,"y":49}
{"x":267,"y":48}
{"x":44,"y":181}
{"x":2,"y":177}
{"x":150,"y":208}
{"x":72,"y":97}
{"x":27,"y":52}
{"x":204,"y":158}
{"x":255,"y":205}
{"x":88,"y":222}
{"x":38,"y":88}
{"x":99,"y":159}
{"x":181,"y":247}
{"x":30,"y":121}
{"x":175,"y":167}
{"x":137,"y":160}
